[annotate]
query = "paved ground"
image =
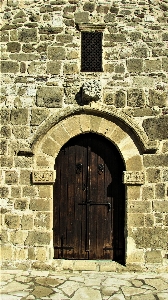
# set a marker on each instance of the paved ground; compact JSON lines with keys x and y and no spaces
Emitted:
{"x":17,"y":284}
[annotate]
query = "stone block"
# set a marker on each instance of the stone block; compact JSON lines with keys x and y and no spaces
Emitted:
{"x":19,"y":116}
{"x":21,"y":204}
{"x":89,"y":6}
{"x":64,"y":38}
{"x":53,"y":67}
{"x":109,"y":68}
{"x":119,"y":68}
{"x":6,"y":252}
{"x":136,"y":98}
{"x":49,"y":96}
{"x":133,"y":192}
{"x":82,"y":17}
{"x":45,"y":191}
{"x":13,"y":47}
{"x":120,"y":98}
{"x":70,"y":68}
{"x":41,"y":254}
{"x":141,"y":52}
{"x":6,"y":131}
{"x":27,"y":35}
{"x":4,"y":191}
{"x":152,"y":65}
{"x":165,"y":36}
{"x":165,"y":147}
{"x":135,"y":65}
{"x":38,"y":115}
{"x":109,"y":98}
{"x":153,"y":175}
{"x":27,"y":222}
{"x":8,"y":66}
{"x":5,"y":36}
{"x":37,"y":68}
{"x":5,"y":116}
{"x":28,"y":48}
{"x":165,"y":64}
{"x":22,"y":67}
{"x":21,"y":132}
{"x":153,"y":257}
{"x":29,"y":191}
{"x":165,"y":175}
{"x":147,"y":192}
{"x":102,"y":9}
{"x":85,"y":265}
{"x":18,"y":237}
{"x":160,"y":206}
{"x":56,"y":53}
{"x":6,"y":161}
{"x":108,"y":267}
{"x":31,"y":253}
{"x":160,"y":191}
{"x":12,"y":221}
{"x":149,"y":220}
{"x":60,"y":135}
{"x":23,"y":162}
{"x":3,"y":147}
{"x":15,"y":192}
{"x":42,"y":220}
{"x":136,"y":257}
{"x":25,"y":177}
{"x":40,"y":204}
{"x":110,"y":18}
{"x":11,"y":177}
{"x":72,"y":126}
{"x":42,"y":161}
{"x":155,"y":160}
{"x":135,"y":163}
{"x":139,"y":206}
{"x":37,"y":238}
{"x":157,"y":98}
{"x":135,"y":219}
{"x":20,"y":254}
{"x":50,"y":147}
{"x":24,"y":56}
{"x":154,"y":237}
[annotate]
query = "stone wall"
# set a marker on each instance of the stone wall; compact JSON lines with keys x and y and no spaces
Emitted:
{"x":45,"y":102}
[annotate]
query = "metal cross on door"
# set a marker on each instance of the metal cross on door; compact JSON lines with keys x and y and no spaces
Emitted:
{"x":89,"y":200}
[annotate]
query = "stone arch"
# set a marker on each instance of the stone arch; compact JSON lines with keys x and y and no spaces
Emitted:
{"x":111,"y":115}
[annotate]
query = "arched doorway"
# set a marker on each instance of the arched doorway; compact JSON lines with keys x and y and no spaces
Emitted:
{"x":89,"y":200}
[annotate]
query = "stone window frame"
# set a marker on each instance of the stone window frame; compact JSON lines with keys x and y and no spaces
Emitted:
{"x":87,"y":27}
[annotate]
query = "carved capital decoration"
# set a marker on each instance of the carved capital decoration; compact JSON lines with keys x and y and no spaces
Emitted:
{"x":45,"y":177}
{"x":133,"y":177}
{"x":91,"y":91}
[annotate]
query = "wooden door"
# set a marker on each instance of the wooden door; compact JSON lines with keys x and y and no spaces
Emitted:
{"x":89,"y":200}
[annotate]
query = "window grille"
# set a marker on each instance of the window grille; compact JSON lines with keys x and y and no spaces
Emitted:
{"x":91,"y":52}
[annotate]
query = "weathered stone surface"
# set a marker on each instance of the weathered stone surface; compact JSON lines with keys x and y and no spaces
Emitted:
{"x":153,"y":256}
{"x":70,"y":68}
{"x":40,"y":204}
{"x":37,"y":238}
{"x":38,"y":116}
{"x":56,"y":53}
{"x":160,"y":206}
{"x":54,"y":67}
{"x":61,"y":38}
{"x":19,"y":116}
{"x":11,"y":177}
{"x":109,"y":98}
{"x":9,"y":66}
{"x":37,"y":68}
{"x":82,"y":17}
{"x":155,"y":160}
{"x":12,"y":221}
{"x":152,"y":65}
{"x":150,"y":237}
{"x":165,"y":63}
{"x":109,"y":17}
{"x":27,"y":222}
{"x":153,"y":175}
{"x":20,"y":204}
{"x":27,"y":35}
{"x":136,"y":97}
{"x":157,"y":98}
{"x":135,"y":65}
{"x":87,"y":293}
{"x":41,"y":291}
{"x":49,"y":96}
{"x":13,"y":47}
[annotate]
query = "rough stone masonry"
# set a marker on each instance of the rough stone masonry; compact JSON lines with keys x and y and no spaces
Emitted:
{"x":43,"y":105}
